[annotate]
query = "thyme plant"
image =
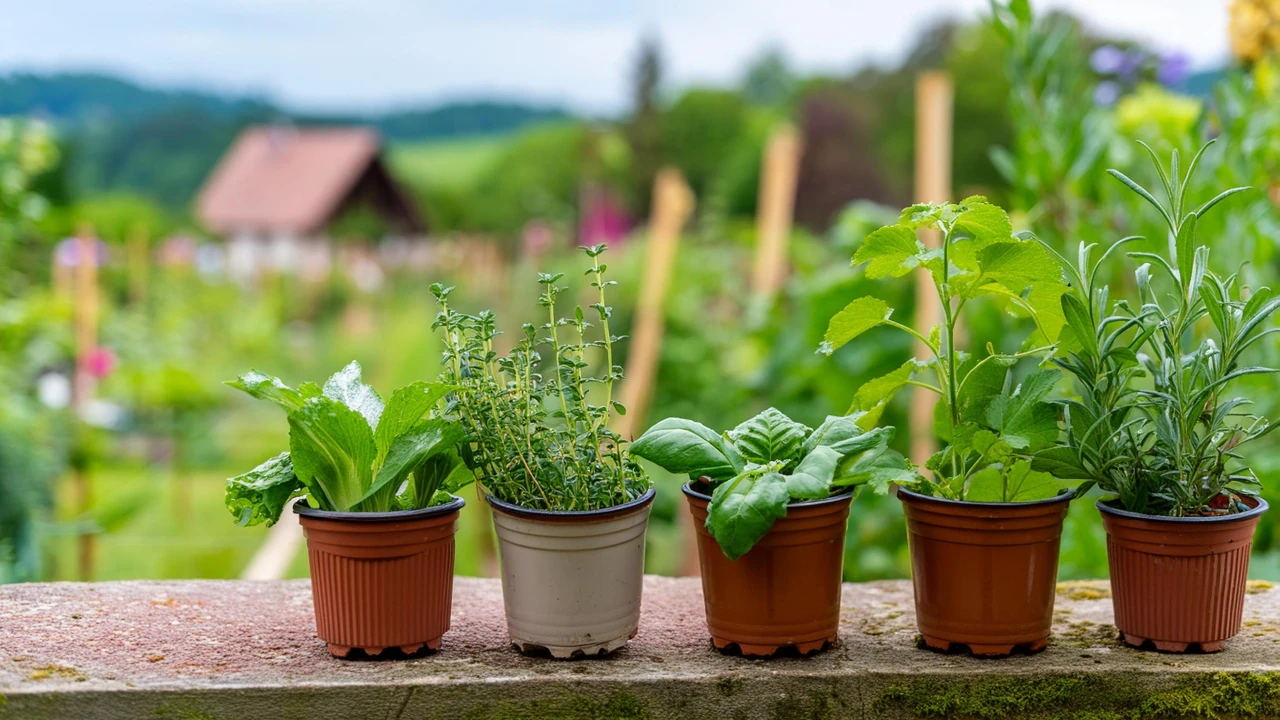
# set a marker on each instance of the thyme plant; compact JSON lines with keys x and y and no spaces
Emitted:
{"x":539,"y":437}
{"x":1154,"y":423}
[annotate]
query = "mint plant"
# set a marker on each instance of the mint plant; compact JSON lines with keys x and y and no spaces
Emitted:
{"x":350,"y":452}
{"x":533,"y":435}
{"x":1168,"y":444}
{"x":992,"y":425}
{"x":755,"y":470}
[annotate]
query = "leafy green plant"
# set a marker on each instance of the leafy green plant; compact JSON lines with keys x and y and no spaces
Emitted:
{"x":350,"y":452}
{"x":993,"y":426}
{"x":1168,"y":446}
{"x":767,"y":462}
{"x":535,"y":440}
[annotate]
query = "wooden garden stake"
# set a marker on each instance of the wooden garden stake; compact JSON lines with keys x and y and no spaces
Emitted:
{"x":777,"y":202}
{"x":934,"y":95}
{"x":138,"y":251}
{"x":86,"y":342}
{"x":672,"y":205}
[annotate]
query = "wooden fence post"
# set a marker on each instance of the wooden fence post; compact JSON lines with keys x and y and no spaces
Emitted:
{"x":776,"y":206}
{"x":85,"y":318}
{"x":934,"y":95}
{"x":672,"y":206}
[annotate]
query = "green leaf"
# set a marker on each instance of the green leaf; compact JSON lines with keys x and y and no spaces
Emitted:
{"x":891,"y":251}
{"x":878,"y":467}
{"x":1027,"y":485}
{"x":742,"y":510}
{"x":272,"y":389}
{"x":405,"y":409}
{"x":1018,"y":265}
{"x":347,"y":387}
{"x":1185,"y":245}
{"x":982,"y":383}
{"x":1024,"y":421}
{"x":1077,"y":319}
{"x":407,"y":452}
{"x":986,"y":485}
{"x":686,"y":447}
{"x":259,"y":496}
{"x":769,"y":436}
{"x":875,"y":395}
{"x":811,"y":480}
{"x":436,"y":477}
{"x":332,"y":449}
{"x":1061,"y":462}
{"x":856,"y":318}
{"x":986,"y":224}
{"x":846,"y":435}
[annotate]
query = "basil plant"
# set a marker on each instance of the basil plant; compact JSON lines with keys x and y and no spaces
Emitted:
{"x":349,"y":451}
{"x":768,"y":462}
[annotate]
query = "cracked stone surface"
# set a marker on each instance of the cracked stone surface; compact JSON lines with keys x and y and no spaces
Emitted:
{"x":233,"y":649}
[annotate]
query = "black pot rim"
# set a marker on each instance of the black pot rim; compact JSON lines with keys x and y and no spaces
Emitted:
{"x":690,"y":492}
{"x":302,"y":508}
{"x":1066,"y":495}
{"x":1105,"y":507}
{"x":602,"y":513}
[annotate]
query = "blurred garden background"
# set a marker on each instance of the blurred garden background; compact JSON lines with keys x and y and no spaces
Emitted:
{"x":158,"y":239}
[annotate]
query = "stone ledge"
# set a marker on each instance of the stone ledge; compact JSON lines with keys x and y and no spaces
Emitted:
{"x":223,"y":650}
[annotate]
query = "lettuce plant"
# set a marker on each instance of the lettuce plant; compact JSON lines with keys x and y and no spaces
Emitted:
{"x":1154,"y":422}
{"x":539,"y":437}
{"x":767,"y":462}
{"x":992,"y":425}
{"x":350,"y":452}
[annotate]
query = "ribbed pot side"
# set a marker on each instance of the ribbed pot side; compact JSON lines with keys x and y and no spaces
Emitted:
{"x":784,"y":592}
{"x":984,"y":574}
{"x":381,"y":580}
{"x":571,"y":582}
{"x":1179,"y":582}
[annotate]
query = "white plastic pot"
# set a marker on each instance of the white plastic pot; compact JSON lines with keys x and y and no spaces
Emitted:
{"x":571,"y":581}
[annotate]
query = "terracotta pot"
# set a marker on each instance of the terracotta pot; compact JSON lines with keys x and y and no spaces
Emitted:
{"x":381,"y":580}
{"x":1179,"y":582}
{"x":984,"y":574}
{"x":571,"y":581}
{"x":785,"y":592}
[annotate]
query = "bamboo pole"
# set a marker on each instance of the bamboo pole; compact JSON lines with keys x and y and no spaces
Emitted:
{"x":776,"y":207}
{"x":86,"y":342}
{"x":672,"y":206}
{"x":934,"y":95}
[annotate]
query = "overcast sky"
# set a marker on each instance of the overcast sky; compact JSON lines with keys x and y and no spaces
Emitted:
{"x":373,"y":54}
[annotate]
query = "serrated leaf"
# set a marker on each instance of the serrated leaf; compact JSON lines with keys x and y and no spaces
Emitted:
{"x":856,"y":318}
{"x":1023,"y":420}
{"x":875,"y":395}
{"x":878,"y":468}
{"x":347,"y":386}
{"x":891,"y":251}
{"x":1028,"y":485}
{"x":984,"y":223}
{"x":259,"y":496}
{"x":1018,"y":265}
{"x":986,"y":485}
{"x":769,"y":436}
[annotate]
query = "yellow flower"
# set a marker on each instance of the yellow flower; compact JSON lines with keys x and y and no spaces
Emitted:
{"x":1254,"y":28}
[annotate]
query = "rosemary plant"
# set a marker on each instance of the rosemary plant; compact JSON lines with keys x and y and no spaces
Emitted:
{"x":1153,"y":422}
{"x":535,"y":437}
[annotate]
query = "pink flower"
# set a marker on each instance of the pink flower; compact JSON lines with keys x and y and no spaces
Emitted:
{"x":99,"y":362}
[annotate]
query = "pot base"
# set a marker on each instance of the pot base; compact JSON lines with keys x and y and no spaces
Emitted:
{"x":985,"y":650}
{"x":1173,"y":647}
{"x":344,"y":651}
{"x":749,"y":650}
{"x":569,"y":652}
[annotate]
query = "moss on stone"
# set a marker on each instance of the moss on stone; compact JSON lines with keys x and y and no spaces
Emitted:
{"x":1220,"y":695}
{"x":1253,"y":587}
{"x":571,"y":706}
{"x":1084,"y":590}
{"x":45,"y":672}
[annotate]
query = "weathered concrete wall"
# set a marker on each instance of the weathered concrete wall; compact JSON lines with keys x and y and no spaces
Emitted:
{"x":207,"y":650}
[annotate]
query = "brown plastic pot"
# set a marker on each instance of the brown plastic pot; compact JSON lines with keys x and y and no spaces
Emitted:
{"x":1179,"y":582}
{"x":785,"y":592}
{"x":381,"y":580}
{"x":984,"y":574}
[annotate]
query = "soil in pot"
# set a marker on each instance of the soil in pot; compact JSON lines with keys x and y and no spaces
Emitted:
{"x":784,"y":594}
{"x":381,"y":581}
{"x":572,"y":581}
{"x":984,"y":574}
{"x":1179,"y":583}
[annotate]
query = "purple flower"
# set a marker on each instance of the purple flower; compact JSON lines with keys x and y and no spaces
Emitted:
{"x":1106,"y":93}
{"x":1174,"y":69}
{"x":1107,"y":60}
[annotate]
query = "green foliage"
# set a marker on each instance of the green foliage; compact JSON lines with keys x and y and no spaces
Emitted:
{"x":993,"y":426}
{"x":767,"y":462}
{"x":700,"y":131}
{"x":1170,"y":448}
{"x":348,"y":452}
{"x":536,"y":440}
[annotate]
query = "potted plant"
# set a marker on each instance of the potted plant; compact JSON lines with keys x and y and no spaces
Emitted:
{"x":1183,"y":508}
{"x":771,"y":500}
{"x":376,"y":481}
{"x":984,"y":525}
{"x":569,"y":504}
